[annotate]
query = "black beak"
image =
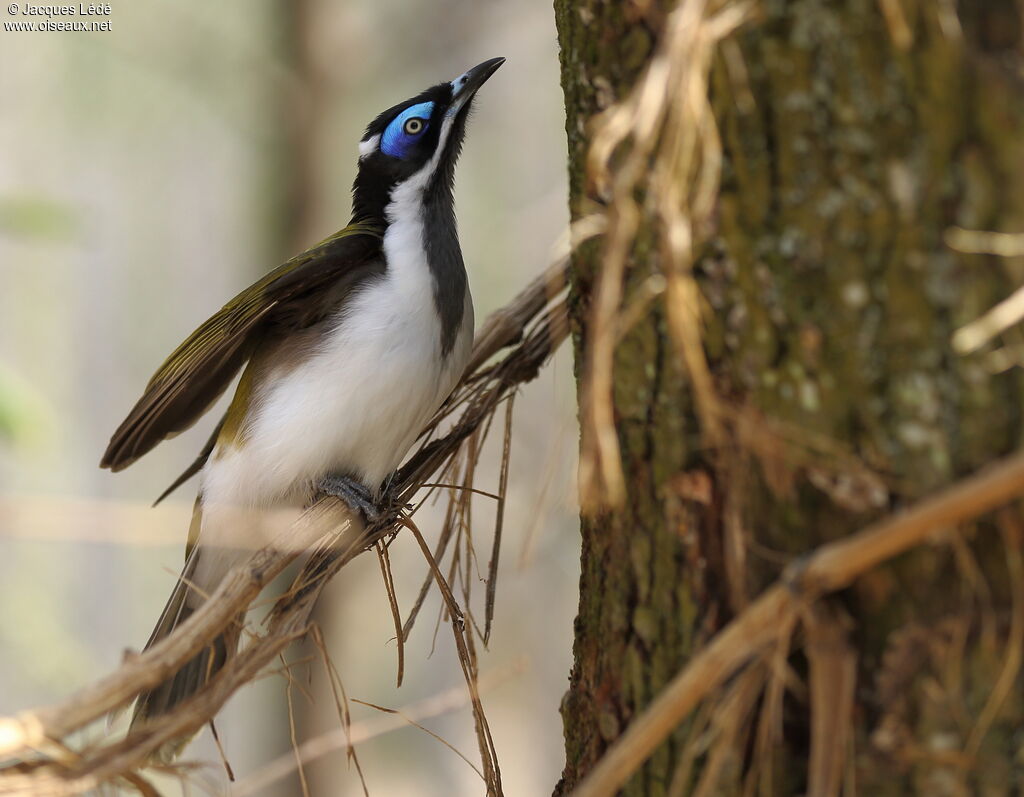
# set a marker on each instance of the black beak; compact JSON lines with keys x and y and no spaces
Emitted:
{"x":467,"y":84}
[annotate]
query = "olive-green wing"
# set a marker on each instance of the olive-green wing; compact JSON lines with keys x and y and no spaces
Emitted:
{"x":293,"y":295}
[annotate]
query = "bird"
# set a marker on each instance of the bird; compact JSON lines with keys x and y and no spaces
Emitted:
{"x":346,"y":351}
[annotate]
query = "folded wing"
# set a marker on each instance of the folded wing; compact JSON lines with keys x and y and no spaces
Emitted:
{"x":294,"y":295}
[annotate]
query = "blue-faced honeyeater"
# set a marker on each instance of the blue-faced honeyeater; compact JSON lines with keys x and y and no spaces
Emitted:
{"x":348,"y":349}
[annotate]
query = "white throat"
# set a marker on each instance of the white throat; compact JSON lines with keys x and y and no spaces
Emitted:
{"x":410,"y":191}
{"x":403,"y":241}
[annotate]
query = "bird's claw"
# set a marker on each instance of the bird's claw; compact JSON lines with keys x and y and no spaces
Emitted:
{"x":354,"y":493}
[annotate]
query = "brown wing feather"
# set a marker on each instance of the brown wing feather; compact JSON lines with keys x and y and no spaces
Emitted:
{"x":174,"y":400}
{"x":201,"y":368}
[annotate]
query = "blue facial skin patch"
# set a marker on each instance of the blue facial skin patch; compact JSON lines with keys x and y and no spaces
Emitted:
{"x":396,"y":141}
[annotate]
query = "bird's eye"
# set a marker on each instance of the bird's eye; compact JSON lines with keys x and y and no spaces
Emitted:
{"x":403,"y":133}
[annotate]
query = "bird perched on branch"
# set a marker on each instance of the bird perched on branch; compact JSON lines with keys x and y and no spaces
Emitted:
{"x":349,"y":348}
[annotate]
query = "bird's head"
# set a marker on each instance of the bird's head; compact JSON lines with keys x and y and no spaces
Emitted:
{"x":410,"y":150}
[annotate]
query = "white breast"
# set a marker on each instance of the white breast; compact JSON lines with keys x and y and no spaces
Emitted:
{"x":358,"y":404}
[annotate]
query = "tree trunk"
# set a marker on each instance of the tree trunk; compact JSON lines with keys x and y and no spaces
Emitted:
{"x":855,"y":135}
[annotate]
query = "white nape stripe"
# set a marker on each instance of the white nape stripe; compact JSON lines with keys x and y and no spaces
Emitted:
{"x":369,"y":146}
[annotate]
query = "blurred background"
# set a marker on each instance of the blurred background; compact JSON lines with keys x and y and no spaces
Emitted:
{"x":153,"y":171}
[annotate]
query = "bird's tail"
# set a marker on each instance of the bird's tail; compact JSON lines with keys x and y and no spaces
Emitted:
{"x":191,"y":677}
{"x":199,"y":669}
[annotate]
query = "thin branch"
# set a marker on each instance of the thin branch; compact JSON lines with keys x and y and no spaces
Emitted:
{"x":314,"y":748}
{"x":492,"y":775}
{"x":499,"y":521}
{"x":426,"y":730}
{"x":389,"y":587}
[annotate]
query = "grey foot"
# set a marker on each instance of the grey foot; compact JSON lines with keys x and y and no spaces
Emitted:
{"x":354,"y":493}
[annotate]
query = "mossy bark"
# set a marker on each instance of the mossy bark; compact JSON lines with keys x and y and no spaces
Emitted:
{"x":832,"y":300}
